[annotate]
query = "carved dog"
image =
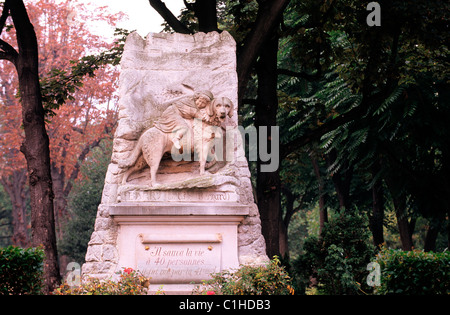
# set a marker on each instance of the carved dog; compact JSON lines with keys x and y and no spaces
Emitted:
{"x":153,"y":143}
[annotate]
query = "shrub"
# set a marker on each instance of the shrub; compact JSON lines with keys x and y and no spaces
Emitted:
{"x":21,"y":270}
{"x":130,"y":282}
{"x":413,"y":272}
{"x":271,"y":279}
{"x":338,"y":259}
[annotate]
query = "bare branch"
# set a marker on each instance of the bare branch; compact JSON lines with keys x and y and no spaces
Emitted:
{"x":168,"y":16}
{"x":268,"y":17}
{"x":87,"y":148}
{"x":78,"y":129}
{"x":189,"y":6}
{"x":8,"y":53}
{"x":4,"y":16}
{"x":5,"y":56}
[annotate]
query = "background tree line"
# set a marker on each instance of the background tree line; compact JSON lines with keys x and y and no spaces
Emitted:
{"x":363,"y":115}
{"x":54,"y":65}
{"x":367,"y":106}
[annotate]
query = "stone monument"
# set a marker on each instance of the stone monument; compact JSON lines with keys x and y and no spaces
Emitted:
{"x":177,"y":203}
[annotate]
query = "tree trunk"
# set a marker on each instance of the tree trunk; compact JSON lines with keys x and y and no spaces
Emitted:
{"x":36,"y":144}
{"x":60,"y":199}
{"x":448,"y":228}
{"x":267,"y":20}
{"x":432,"y":233}
{"x":377,"y":217}
{"x":268,"y":183}
{"x":290,"y":211}
{"x":16,"y":189}
{"x":323,"y":214}
{"x":341,"y":181}
{"x":284,"y":239}
{"x":205,"y":11}
{"x":404,"y":227}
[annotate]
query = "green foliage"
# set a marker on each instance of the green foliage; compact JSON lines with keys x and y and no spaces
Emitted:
{"x":237,"y":17}
{"x":5,"y":218}
{"x":129,"y":282}
{"x":413,"y":272}
{"x":338,"y":259}
{"x":271,"y":279}
{"x":21,"y":270}
{"x":83,"y":203}
{"x":58,"y":85}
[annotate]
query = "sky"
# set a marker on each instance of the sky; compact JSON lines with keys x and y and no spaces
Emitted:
{"x":141,"y":16}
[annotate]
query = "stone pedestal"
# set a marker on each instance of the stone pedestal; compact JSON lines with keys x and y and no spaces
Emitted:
{"x":180,"y":245}
{"x":191,"y":223}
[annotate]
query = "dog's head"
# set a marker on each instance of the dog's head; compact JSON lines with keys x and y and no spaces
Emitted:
{"x":221,"y":107}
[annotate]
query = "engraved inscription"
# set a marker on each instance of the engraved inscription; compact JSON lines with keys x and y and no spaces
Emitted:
{"x":195,"y":196}
{"x":179,"y":263}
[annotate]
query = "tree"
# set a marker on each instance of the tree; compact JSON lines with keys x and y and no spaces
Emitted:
{"x":80,"y":124}
{"x":17,"y":191}
{"x":5,"y":219}
{"x":265,"y":21}
{"x":358,"y":110}
{"x":35,"y":146}
{"x":75,"y":85}
{"x":12,"y":178}
{"x":83,"y":202}
{"x":373,"y":134}
{"x":339,"y":258}
{"x":268,"y":186}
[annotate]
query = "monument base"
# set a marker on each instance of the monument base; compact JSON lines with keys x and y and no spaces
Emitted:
{"x":171,"y":289}
{"x":179,"y":245}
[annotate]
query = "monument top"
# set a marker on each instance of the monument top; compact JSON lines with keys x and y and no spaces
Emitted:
{"x":176,"y":89}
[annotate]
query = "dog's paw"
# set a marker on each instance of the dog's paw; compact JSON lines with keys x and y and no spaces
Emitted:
{"x":155,"y":184}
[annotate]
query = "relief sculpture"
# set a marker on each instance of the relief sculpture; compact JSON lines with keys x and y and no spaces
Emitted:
{"x":188,"y":124}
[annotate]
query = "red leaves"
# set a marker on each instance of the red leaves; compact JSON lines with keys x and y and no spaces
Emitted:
{"x":80,"y":121}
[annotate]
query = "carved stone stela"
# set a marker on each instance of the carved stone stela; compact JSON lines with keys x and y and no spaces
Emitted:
{"x":183,"y":258}
{"x":177,"y":203}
